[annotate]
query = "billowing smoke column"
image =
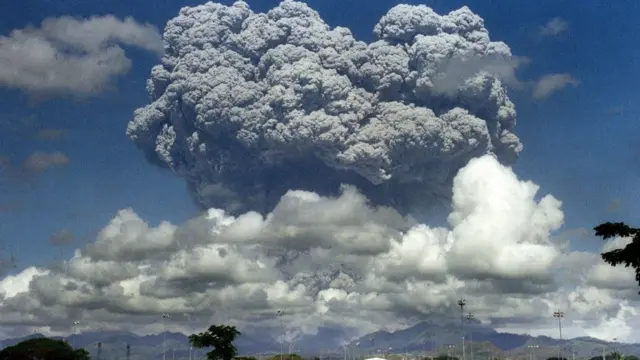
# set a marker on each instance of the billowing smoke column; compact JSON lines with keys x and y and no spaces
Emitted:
{"x":246,"y":106}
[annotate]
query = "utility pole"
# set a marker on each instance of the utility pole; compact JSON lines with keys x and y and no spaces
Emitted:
{"x":531,"y":349}
{"x":99,"y":351}
{"x":450,"y":351}
{"x":128,"y":351}
{"x":469,"y":318}
{"x":190,"y":344}
{"x":75,"y":325}
{"x":164,"y":334}
{"x":462,"y":303}
{"x":280,"y":313}
{"x":559,"y":315}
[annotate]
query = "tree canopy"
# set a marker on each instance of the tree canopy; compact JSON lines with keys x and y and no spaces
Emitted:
{"x":221,"y":338}
{"x":630,"y":254}
{"x":286,"y":357}
{"x":615,"y":356}
{"x":43,"y":349}
{"x":445,"y":357}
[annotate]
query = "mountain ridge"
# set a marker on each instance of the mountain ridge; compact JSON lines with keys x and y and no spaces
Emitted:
{"x":428,"y":338}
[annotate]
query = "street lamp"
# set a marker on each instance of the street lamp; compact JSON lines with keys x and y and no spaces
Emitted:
{"x":280,"y":313}
{"x":617,"y":355}
{"x":433,"y":345}
{"x":559,"y":315}
{"x":469,"y":318}
{"x":462,"y":303}
{"x":531,"y":350}
{"x":75,"y":324}
{"x":190,"y":344}
{"x":450,"y":349}
{"x":164,"y":338}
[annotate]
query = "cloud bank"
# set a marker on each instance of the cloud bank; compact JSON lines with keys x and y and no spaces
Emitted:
{"x":333,"y":261}
{"x":68,"y":56}
{"x":246,"y":106}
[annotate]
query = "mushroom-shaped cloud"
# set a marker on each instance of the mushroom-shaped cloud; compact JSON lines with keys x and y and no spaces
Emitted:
{"x":246,"y":106}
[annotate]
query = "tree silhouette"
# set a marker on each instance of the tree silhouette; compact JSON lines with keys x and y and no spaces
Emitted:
{"x":221,"y":338}
{"x":286,"y":357}
{"x":615,"y":356}
{"x":630,"y":254}
{"x":81,"y":354}
{"x":43,"y":349}
{"x":445,"y":357}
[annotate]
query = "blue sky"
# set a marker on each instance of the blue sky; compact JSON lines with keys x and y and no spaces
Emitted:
{"x":580,"y":143}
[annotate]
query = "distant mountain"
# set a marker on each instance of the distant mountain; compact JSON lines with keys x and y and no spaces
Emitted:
{"x":433,"y":338}
{"x":428,"y":338}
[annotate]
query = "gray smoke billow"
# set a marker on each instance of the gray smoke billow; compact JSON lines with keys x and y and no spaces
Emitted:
{"x":246,"y":106}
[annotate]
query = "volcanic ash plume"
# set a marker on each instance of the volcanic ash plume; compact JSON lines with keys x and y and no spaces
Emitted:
{"x":246,"y":106}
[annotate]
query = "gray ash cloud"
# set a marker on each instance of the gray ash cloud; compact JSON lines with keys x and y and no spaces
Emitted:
{"x":246,"y":106}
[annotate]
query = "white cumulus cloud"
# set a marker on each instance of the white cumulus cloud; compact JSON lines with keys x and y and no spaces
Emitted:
{"x":69,"y":56}
{"x":332,"y":260}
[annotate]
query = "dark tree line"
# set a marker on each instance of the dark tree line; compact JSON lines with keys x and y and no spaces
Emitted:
{"x":615,"y":356}
{"x":43,"y":349}
{"x":219,"y":338}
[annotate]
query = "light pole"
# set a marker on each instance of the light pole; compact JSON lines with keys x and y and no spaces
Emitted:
{"x":75,"y":324}
{"x":531,"y":350}
{"x":559,"y":315}
{"x":164,"y":335}
{"x":99,"y":352}
{"x":469,"y":318}
{"x":190,"y":345}
{"x":617,"y":355}
{"x":462,"y":303}
{"x":280,"y":313}
{"x":433,"y":346}
{"x":450,"y":349}
{"x":428,"y":344}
